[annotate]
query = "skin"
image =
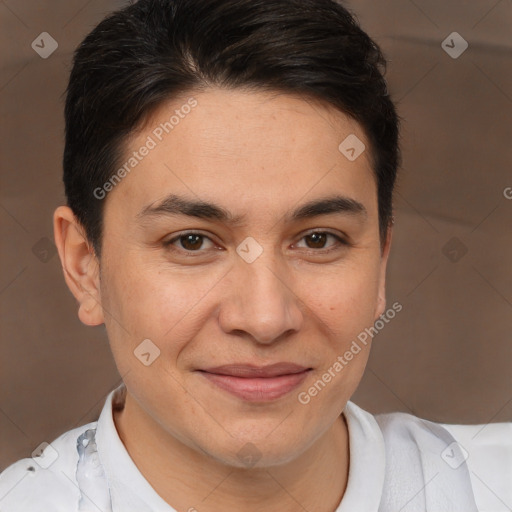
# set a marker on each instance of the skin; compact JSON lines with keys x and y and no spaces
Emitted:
{"x":260,"y":155}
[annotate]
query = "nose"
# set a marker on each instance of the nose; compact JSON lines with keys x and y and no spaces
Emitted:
{"x":259,"y":302}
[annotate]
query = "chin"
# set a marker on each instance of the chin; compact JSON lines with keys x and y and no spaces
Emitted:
{"x":258,"y":453}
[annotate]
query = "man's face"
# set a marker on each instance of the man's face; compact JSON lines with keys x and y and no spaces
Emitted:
{"x":270,"y":288}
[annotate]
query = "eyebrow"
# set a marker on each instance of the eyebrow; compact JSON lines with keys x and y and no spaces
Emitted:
{"x":174,"y":205}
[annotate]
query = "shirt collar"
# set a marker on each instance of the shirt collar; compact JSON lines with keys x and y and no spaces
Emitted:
{"x":367,"y":462}
{"x":130,"y":491}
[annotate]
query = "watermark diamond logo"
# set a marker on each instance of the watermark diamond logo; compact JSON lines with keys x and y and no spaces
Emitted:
{"x":249,"y":250}
{"x":454,"y":45}
{"x":352,"y":147}
{"x":44,"y":250}
{"x":454,"y":455}
{"x":44,"y":45}
{"x":454,"y":249}
{"x":249,"y":455}
{"x":147,"y":352}
{"x":45,"y":455}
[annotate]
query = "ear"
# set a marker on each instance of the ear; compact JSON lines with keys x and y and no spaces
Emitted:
{"x":381,"y":299}
{"x":79,"y":264}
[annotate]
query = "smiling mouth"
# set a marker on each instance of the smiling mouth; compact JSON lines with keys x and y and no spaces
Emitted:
{"x":257,"y":384}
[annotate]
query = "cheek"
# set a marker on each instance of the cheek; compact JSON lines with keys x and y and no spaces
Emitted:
{"x":146,"y":302}
{"x":344,"y":301}
{"x":345,"y":309}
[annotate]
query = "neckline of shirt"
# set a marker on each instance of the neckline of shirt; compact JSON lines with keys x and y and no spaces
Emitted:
{"x":366,"y":467}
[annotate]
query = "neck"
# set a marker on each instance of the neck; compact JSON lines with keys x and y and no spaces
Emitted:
{"x":188,"y":479}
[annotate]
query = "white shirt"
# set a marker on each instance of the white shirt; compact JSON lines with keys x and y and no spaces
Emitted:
{"x":397,"y":462}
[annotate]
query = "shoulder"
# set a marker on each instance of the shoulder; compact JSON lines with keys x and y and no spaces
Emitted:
{"x":483,"y":452}
{"x":477,"y":444}
{"x":46,"y":481}
{"x":401,"y":429}
{"x":488,"y":452}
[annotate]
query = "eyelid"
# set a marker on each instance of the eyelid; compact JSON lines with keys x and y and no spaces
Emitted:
{"x":338,"y":234}
{"x":175,"y":238}
{"x":342,"y":239}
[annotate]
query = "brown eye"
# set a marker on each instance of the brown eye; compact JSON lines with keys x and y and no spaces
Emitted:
{"x":318,"y":240}
{"x":191,"y":242}
{"x":188,"y":242}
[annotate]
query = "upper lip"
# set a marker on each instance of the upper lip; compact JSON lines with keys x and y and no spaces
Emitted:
{"x":250,"y":370}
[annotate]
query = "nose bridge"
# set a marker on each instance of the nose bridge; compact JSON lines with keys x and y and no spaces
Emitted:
{"x":261,"y":302}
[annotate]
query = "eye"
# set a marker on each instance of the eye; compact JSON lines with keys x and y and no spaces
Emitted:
{"x":193,"y":242}
{"x":318,"y":240}
{"x":190,"y":242}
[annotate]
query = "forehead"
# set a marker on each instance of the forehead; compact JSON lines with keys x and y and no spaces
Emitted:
{"x":239,"y":120}
{"x":252,"y":149}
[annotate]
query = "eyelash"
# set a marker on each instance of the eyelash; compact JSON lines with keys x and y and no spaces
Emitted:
{"x":168,"y":243}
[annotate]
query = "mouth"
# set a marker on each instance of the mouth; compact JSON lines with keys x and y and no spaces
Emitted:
{"x":257,"y":384}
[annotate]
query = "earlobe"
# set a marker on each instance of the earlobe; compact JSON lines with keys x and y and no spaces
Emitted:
{"x":79,"y":264}
{"x":90,"y":312}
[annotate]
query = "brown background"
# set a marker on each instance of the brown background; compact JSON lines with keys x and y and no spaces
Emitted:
{"x":446,"y":357}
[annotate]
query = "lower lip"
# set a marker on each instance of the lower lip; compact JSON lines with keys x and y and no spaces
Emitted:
{"x":258,"y":389}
